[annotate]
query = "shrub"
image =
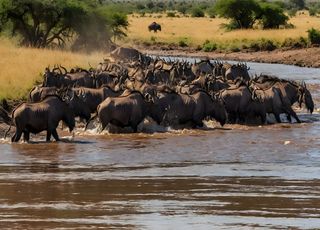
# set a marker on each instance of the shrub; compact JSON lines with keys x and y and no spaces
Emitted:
{"x":209,"y":46}
{"x":197,"y":12}
{"x":182,"y":9}
{"x":211,"y":12}
{"x":263,"y":45}
{"x":171,"y":14}
{"x":295,"y":43}
{"x":292,"y":12}
{"x":313,"y":11}
{"x":314,"y":36}
{"x":183,"y":42}
{"x":153,"y":38}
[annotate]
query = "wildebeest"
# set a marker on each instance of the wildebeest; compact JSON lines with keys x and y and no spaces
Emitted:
{"x":174,"y":109}
{"x":239,"y":102}
{"x":237,"y":71}
{"x":154,"y":27}
{"x":45,"y":115}
{"x":38,"y":93}
{"x":54,"y":78}
{"x":93,"y":97}
{"x":126,"y":54}
{"x":291,"y":91}
{"x":123,"y":111}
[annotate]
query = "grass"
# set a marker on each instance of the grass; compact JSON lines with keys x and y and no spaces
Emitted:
{"x":199,"y":30}
{"x":21,"y":68}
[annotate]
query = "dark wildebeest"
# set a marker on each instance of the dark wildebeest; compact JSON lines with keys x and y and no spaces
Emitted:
{"x":154,"y":26}
{"x":93,"y":97}
{"x":239,"y":103}
{"x":176,"y":109}
{"x":38,"y":93}
{"x":45,"y":115}
{"x":59,"y":79}
{"x":123,"y":53}
{"x":237,"y":71}
{"x":124,"y":111}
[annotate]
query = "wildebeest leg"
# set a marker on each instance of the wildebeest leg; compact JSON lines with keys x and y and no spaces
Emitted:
{"x":55,"y":135}
{"x":277,"y":116}
{"x":290,"y":112}
{"x":232,"y":118}
{"x":16,"y":136}
{"x":13,"y":138}
{"x":199,"y":123}
{"x":48,"y":135}
{"x":263,"y":117}
{"x":135,"y":128}
{"x":26,"y":136}
{"x":289,"y":118}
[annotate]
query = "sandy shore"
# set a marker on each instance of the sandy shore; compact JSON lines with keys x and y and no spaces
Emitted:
{"x":308,"y":57}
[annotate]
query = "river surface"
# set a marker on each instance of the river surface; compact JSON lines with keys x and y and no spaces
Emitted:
{"x":235,"y":177}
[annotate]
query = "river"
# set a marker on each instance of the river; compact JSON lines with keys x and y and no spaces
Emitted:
{"x":235,"y":177}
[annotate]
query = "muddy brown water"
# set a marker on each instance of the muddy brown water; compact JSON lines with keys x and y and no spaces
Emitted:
{"x":239,"y":177}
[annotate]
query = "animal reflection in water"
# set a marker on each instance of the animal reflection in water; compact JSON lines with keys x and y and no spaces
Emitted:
{"x":131,"y":86}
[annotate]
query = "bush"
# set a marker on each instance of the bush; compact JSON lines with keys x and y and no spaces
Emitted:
{"x":292,"y":12}
{"x":183,"y":42}
{"x":182,"y":9}
{"x":314,"y":36}
{"x":197,"y":12}
{"x":211,"y":12}
{"x":232,"y":25}
{"x":153,"y":38}
{"x":171,"y":14}
{"x":263,"y":45}
{"x":295,"y":43}
{"x":313,"y":11}
{"x":209,"y":46}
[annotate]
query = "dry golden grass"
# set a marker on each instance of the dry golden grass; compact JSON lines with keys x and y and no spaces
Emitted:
{"x":197,"y":30}
{"x":22,"y":67}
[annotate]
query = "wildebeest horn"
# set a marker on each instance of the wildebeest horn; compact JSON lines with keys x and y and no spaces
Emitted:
{"x":55,"y":67}
{"x":63,"y":69}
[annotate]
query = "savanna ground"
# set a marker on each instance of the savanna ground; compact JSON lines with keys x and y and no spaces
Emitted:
{"x":21,"y":68}
{"x":195,"y":31}
{"x":187,"y":36}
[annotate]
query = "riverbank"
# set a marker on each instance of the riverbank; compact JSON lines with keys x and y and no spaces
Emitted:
{"x":307,"y":57}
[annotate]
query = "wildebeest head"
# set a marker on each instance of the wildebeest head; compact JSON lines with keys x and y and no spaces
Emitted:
{"x":68,"y":118}
{"x":77,"y":104}
{"x":52,"y":77}
{"x":305,"y":97}
{"x":219,"y":111}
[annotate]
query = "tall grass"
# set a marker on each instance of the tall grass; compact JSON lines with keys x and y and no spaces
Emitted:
{"x":21,"y":68}
{"x":198,"y":30}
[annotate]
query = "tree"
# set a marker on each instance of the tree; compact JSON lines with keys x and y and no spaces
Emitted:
{"x":272,"y":16}
{"x":300,"y":4}
{"x":47,"y":23}
{"x":243,"y":13}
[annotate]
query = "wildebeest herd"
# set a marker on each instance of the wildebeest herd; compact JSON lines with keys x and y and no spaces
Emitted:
{"x":130,"y":87}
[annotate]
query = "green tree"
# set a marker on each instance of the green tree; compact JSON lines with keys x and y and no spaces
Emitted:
{"x":300,"y":4}
{"x":47,"y":23}
{"x":272,"y":16}
{"x":243,"y":13}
